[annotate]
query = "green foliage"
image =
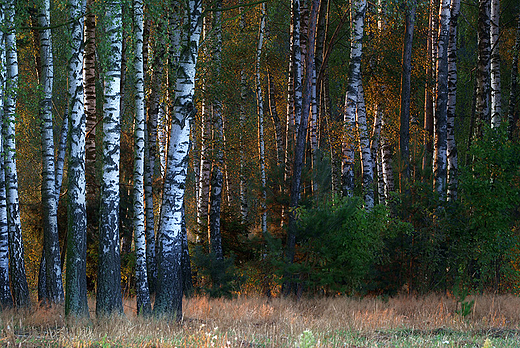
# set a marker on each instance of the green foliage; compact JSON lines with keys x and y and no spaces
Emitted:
{"x":307,"y":339}
{"x":490,"y":196}
{"x":338,"y":245}
{"x":464,"y":307}
{"x":218,"y":278}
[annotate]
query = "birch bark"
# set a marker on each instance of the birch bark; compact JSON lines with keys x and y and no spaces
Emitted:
{"x":76,"y":280}
{"x":6,"y":299}
{"x":19,"y":286}
{"x":108,"y":296}
{"x":496,"y":89}
{"x":217,"y":176}
{"x":441,"y":101}
{"x":451,"y":151}
{"x":365,"y":151}
{"x":260,"y":108}
{"x":142,"y":290}
{"x":54,"y":285}
{"x":357,"y":8}
{"x":169,"y":285}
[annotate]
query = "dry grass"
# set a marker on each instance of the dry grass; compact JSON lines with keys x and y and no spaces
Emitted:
{"x":429,"y":321}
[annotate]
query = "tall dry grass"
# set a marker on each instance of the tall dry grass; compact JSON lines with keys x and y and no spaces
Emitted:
{"x":260,"y":322}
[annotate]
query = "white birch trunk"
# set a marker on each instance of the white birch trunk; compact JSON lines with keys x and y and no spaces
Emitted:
{"x":6,"y":299}
{"x":169,"y":285}
{"x":386,"y":164}
{"x":260,"y":108}
{"x":452,"y":102}
{"x":496,"y":88}
{"x":358,"y":8}
{"x":76,"y":280}
{"x":50,"y":197}
{"x":142,"y":290}
{"x":108,"y":296}
{"x":441,"y":101}
{"x":89,"y":88}
{"x":365,"y":151}
{"x":205,"y":159}
{"x":19,"y":286}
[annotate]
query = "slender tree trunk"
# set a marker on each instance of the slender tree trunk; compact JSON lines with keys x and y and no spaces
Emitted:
{"x":54,"y":285}
{"x":89,"y":88}
{"x":386,"y":164}
{"x":496,"y":93}
{"x":513,"y":91}
{"x":428,"y":91}
{"x":406,"y":74}
{"x":280,"y":144}
{"x":153,"y":111}
{"x":6,"y":299}
{"x":217,"y":176}
{"x":169,"y":285}
{"x":142,"y":290}
{"x":441,"y":102}
{"x":242,"y":120}
{"x":294,"y":95}
{"x":366,"y":155}
{"x":358,"y":8}
{"x":260,"y":108}
{"x":452,"y":101}
{"x":108,"y":296}
{"x":19,"y":286}
{"x":299,"y":150}
{"x":205,"y":158}
{"x":76,"y":280}
{"x":483,"y":60}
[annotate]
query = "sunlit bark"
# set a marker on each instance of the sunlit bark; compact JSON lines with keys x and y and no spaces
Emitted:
{"x":358,"y":8}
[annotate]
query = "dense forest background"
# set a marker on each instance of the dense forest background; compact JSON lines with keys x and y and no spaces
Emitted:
{"x":335,"y":147}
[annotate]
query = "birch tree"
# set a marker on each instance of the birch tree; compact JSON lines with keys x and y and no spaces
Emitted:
{"x":364,"y":147}
{"x":217,"y":175}
{"x":260,"y":108}
{"x":76,"y":280}
{"x":89,"y":88}
{"x":54,"y":285}
{"x":406,"y":74}
{"x":169,"y":285}
{"x":299,"y":149}
{"x":357,"y":8}
{"x":142,"y":291}
{"x":108,"y":296}
{"x":451,"y":150}
{"x":153,"y":112}
{"x":496,"y":89}
{"x":441,"y":101}
{"x":6,"y":299}
{"x":483,"y":59}
{"x":19,"y":286}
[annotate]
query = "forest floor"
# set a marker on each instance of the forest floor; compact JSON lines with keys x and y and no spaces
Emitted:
{"x":249,"y":321}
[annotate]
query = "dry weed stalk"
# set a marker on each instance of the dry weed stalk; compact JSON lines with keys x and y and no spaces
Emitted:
{"x":275,"y":322}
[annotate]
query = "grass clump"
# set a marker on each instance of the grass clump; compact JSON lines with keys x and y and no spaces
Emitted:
{"x":402,"y":321}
